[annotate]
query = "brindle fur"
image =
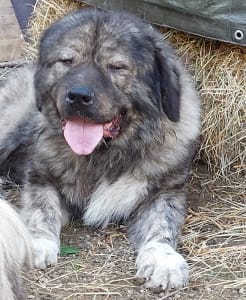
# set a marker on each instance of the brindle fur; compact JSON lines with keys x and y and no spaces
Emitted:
{"x":139,"y":177}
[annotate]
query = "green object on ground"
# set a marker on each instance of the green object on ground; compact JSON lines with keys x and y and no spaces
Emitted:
{"x":68,"y":250}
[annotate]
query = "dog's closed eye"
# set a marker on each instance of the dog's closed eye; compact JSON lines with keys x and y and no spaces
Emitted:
{"x":116,"y":67}
{"x":66,"y":61}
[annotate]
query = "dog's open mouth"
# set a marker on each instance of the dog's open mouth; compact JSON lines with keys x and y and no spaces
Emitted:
{"x":83,"y":135}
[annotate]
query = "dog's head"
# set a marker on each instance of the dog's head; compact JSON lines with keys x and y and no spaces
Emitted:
{"x":105,"y":75}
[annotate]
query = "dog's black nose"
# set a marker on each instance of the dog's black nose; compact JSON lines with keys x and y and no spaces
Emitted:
{"x":82,"y":95}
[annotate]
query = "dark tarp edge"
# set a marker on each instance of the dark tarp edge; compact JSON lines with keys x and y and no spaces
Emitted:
{"x":223,"y":20}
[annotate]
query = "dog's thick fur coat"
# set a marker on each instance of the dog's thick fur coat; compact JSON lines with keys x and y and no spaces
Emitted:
{"x":15,"y":251}
{"x":112,"y":74}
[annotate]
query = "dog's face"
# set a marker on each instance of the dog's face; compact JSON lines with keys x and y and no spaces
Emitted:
{"x":106,"y":75}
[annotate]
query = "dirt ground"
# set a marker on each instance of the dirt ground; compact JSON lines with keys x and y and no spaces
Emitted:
{"x":103,"y":266}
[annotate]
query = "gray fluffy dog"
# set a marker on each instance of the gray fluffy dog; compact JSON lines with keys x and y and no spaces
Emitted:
{"x":105,"y":127}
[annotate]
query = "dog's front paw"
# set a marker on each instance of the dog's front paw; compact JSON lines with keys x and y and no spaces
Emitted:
{"x":161,"y":266}
{"x":45,"y":252}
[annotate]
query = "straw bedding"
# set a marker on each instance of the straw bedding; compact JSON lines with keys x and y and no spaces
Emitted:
{"x":220,"y":74}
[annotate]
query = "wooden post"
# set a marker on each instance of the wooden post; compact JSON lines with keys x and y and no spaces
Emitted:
{"x":11,"y":40}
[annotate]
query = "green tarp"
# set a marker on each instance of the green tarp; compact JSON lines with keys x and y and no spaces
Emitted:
{"x":222,"y":19}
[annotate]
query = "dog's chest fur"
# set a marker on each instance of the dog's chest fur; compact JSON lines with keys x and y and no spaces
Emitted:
{"x":115,"y":201}
{"x":102,"y":186}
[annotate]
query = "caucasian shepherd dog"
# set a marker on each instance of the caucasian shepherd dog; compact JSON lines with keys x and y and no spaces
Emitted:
{"x":104,"y":126}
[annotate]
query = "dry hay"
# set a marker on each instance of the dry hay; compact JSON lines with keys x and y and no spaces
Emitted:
{"x":220,"y":74}
{"x":214,"y":233}
{"x":45,"y":12}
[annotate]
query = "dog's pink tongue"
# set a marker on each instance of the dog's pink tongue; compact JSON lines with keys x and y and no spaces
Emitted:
{"x":82,"y":136}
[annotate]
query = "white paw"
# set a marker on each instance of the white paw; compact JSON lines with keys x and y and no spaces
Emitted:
{"x":45,"y":252}
{"x":161,"y":266}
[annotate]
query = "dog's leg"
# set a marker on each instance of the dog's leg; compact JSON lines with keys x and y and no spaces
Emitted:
{"x":44,"y":217}
{"x":154,"y":230}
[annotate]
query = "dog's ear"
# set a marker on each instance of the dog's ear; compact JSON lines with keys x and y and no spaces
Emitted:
{"x":168,"y":83}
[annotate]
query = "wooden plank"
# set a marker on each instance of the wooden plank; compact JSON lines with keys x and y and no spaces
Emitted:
{"x":11,"y":40}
